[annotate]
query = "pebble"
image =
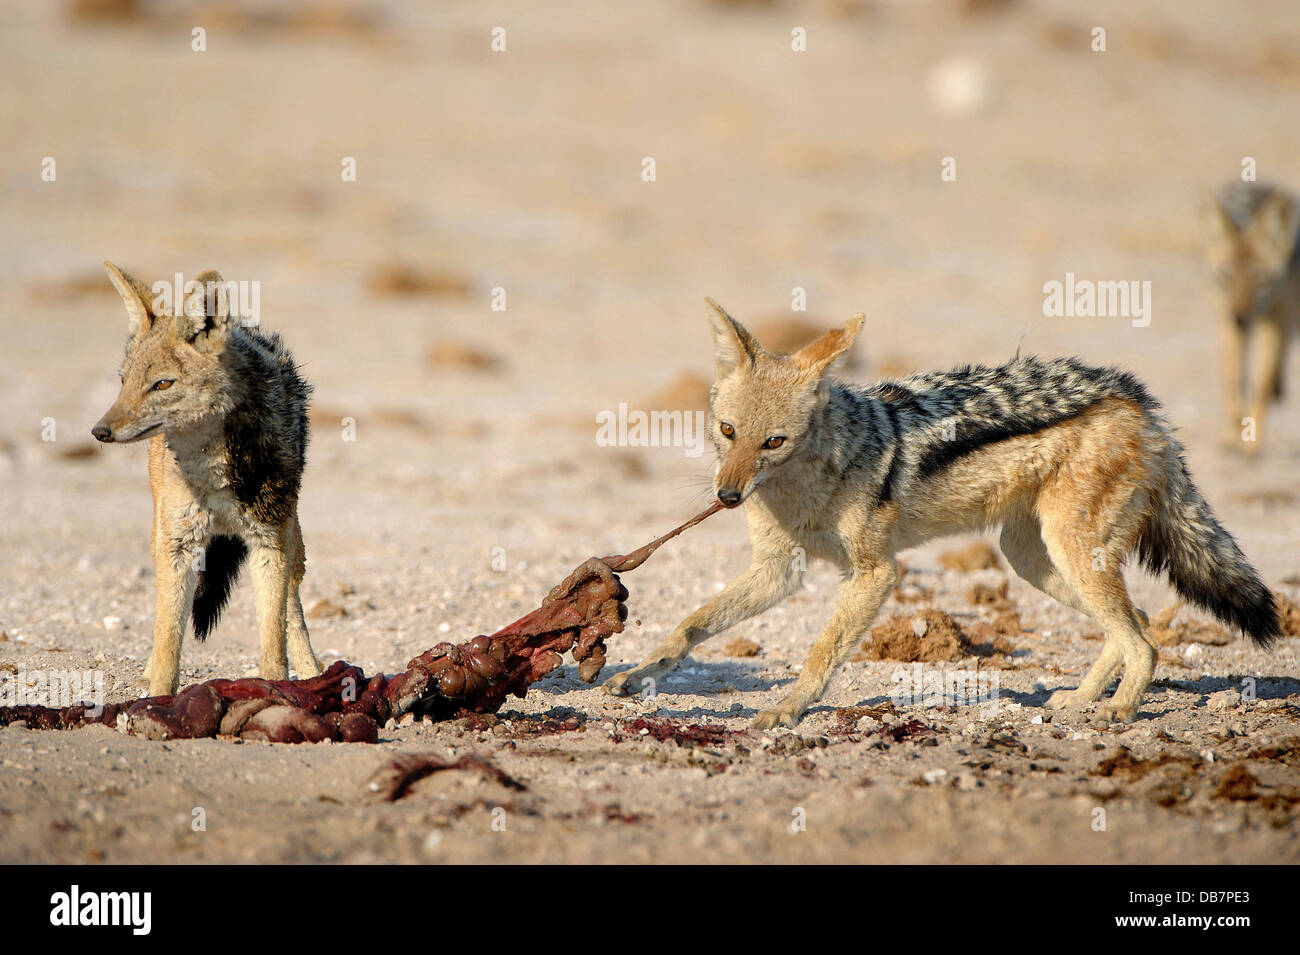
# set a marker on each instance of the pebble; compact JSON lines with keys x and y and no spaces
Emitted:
{"x":1224,"y":700}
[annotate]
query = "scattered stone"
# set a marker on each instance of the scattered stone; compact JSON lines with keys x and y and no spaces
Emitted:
{"x":1224,"y":700}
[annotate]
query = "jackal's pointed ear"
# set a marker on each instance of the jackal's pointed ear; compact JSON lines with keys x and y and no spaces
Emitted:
{"x":733,"y":346}
{"x":205,"y":320}
{"x":817,"y":357}
{"x":1218,"y":223}
{"x":135,"y":296}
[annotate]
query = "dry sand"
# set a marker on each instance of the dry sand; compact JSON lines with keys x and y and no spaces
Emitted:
{"x":475,"y":429}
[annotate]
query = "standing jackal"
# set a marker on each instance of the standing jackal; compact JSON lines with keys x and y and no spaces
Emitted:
{"x":1074,"y":462}
{"x":1256,"y":261}
{"x":225,"y":413}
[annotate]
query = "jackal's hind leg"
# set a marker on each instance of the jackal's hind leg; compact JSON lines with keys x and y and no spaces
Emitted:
{"x":1093,"y":567}
{"x":1022,"y":543}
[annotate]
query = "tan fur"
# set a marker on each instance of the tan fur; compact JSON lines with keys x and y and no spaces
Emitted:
{"x":193,"y":486}
{"x":1259,"y":307}
{"x":1072,"y":500}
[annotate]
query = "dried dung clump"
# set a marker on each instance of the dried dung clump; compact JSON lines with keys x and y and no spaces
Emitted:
{"x":1237,"y":784}
{"x":1125,"y":765}
{"x":907,"y":590}
{"x":687,"y":392}
{"x":1289,"y":611}
{"x":1008,"y":624}
{"x":462,"y":356}
{"x":740,"y":647}
{"x":928,"y":636}
{"x":994,"y":598}
{"x":978,"y":556}
{"x":1165,"y":632}
{"x":324,"y":608}
{"x":390,"y":280}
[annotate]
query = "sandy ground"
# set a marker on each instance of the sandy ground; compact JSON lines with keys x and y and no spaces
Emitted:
{"x":475,"y":434}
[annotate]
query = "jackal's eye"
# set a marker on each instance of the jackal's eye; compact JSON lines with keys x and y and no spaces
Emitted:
{"x":771,"y":444}
{"x":727,"y":430}
{"x":163,"y":384}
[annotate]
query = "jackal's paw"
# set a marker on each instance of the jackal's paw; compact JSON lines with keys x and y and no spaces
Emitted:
{"x":162,"y":688}
{"x":1061,"y":699}
{"x":308,"y":669}
{"x":617,"y":685}
{"x":629,"y":683}
{"x":767,"y":719}
{"x":1113,"y":713}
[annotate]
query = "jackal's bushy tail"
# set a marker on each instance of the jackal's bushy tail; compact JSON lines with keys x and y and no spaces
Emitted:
{"x":224,"y":557}
{"x":1184,"y":540}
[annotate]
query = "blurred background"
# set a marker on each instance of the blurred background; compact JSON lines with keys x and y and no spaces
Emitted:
{"x":524,"y":169}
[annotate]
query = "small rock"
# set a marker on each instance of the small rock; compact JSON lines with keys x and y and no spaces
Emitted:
{"x":1224,"y":700}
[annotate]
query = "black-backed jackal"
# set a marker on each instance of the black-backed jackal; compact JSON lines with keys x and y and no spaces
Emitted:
{"x":1256,"y":261}
{"x":225,"y":413}
{"x":1074,"y":462}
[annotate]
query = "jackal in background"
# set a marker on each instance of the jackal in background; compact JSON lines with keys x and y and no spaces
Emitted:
{"x":1256,"y":262}
{"x":225,"y":412}
{"x":1074,"y":462}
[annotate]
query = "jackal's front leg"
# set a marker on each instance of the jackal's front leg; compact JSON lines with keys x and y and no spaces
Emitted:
{"x":1232,"y":348}
{"x":270,"y":566}
{"x":176,"y":576}
{"x":1268,"y":357}
{"x":856,"y":606}
{"x":768,"y":580}
{"x":305,"y":662}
